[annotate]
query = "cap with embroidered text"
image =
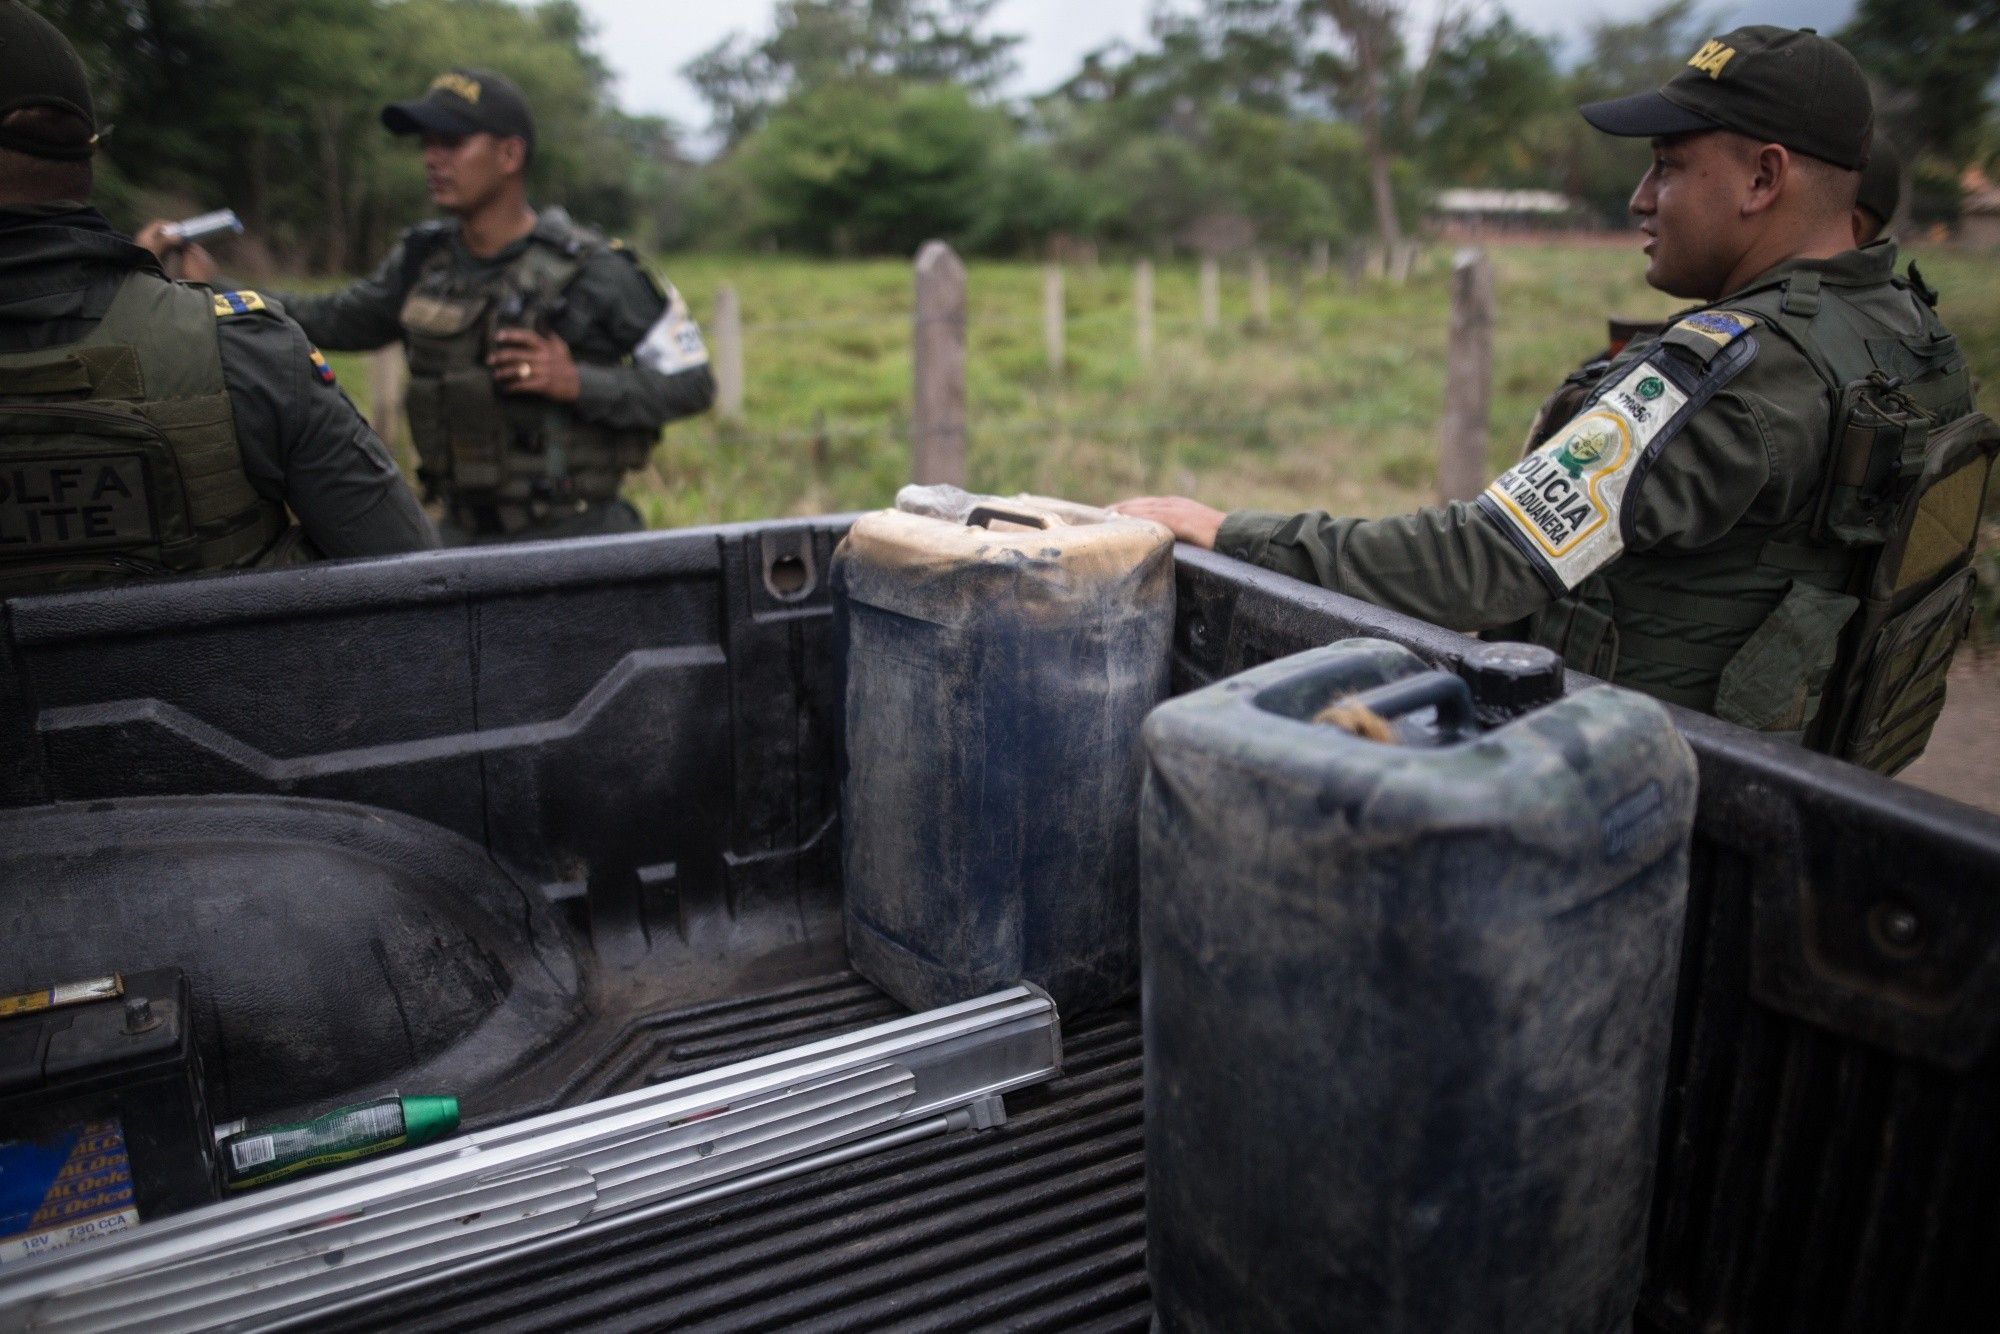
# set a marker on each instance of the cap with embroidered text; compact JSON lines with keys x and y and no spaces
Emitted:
{"x":1787,"y":86}
{"x":465,"y":101}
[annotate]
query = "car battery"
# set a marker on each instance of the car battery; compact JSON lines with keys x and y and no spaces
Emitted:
{"x":103,"y":1121}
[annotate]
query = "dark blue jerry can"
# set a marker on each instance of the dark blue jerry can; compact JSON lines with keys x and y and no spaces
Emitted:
{"x":996,"y":671}
{"x":1406,"y":1003}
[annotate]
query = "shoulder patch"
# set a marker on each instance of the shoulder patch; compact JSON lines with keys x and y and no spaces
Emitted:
{"x":1566,"y":504}
{"x":1707,"y":332}
{"x":674,"y":343}
{"x":322,"y":371}
{"x":237,"y":303}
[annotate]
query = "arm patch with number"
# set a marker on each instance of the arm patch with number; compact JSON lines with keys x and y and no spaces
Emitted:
{"x":1568,"y":505}
{"x":674,"y":343}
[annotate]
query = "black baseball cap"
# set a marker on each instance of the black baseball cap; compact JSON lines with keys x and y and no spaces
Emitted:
{"x":40,"y":69}
{"x":1787,"y":86}
{"x":1882,"y":182}
{"x":465,"y":101}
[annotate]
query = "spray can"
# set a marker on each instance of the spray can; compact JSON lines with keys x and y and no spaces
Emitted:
{"x":259,"y":1157}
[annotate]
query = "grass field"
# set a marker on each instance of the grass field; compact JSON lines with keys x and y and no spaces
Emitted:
{"x":1336,"y":404}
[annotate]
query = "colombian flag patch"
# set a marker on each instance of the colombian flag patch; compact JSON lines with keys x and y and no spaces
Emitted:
{"x":320,"y":367}
{"x":236,"y":303}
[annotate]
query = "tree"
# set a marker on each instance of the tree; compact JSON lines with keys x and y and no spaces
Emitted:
{"x":817,"y":43}
{"x":271,"y":106}
{"x":1493,"y":94}
{"x":1214,"y":132}
{"x":873,"y":167}
{"x":1621,"y":58}
{"x":1228,"y":52}
{"x":1936,"y":63}
{"x":1370,"y":77}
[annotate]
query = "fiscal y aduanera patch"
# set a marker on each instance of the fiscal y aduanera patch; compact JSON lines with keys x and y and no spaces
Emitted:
{"x":1563,"y":502}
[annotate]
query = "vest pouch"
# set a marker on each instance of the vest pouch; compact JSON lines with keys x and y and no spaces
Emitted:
{"x":435,"y":316}
{"x":82,"y":483}
{"x":475,"y":429}
{"x":1936,"y":524}
{"x":1901,"y":684}
{"x":1879,"y":448}
{"x":423,"y":402}
{"x":1586,"y":636}
{"x":1774,"y":682}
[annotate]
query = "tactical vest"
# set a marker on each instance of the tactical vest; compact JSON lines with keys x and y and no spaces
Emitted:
{"x":118,"y":453}
{"x":476,"y":445}
{"x":1837,"y":627}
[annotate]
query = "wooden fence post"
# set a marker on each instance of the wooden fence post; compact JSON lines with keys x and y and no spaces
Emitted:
{"x":1403,"y":261}
{"x":728,"y":354}
{"x":1468,"y":378}
{"x":1211,"y":294}
{"x":1052,"y":316}
{"x":1142,"y":299}
{"x":1260,"y":291}
{"x":386,"y":381}
{"x":937,"y":419}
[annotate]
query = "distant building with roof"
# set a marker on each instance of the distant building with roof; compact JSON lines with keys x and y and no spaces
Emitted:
{"x":1472,"y":209}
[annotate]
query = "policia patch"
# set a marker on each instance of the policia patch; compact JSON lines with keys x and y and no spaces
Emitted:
{"x":1568,"y":505}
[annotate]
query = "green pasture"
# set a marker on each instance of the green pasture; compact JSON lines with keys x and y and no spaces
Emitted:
{"x":1334,"y":404}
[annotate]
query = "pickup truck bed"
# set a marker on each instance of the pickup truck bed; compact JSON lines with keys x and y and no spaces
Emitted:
{"x":643,"y":730}
{"x":1037,"y":1225}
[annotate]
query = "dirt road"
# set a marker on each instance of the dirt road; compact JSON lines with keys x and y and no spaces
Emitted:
{"x":1964,"y":756}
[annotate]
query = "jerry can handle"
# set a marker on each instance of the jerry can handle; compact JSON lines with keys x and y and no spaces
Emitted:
{"x":1447,"y":693}
{"x":982,"y":516}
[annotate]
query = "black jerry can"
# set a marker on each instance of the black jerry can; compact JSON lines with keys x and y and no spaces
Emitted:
{"x":1407,"y":1003}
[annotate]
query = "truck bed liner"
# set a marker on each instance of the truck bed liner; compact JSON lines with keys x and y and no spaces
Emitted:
{"x":645,"y":727}
{"x":1037,"y":1225}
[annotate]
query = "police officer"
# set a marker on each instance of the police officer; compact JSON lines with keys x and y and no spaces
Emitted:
{"x":1764,"y":512}
{"x":543,"y":359}
{"x":152,"y":427}
{"x":1875,"y":203}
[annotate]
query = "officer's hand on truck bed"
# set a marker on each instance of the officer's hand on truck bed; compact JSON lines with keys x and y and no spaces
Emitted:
{"x":525,"y":362}
{"x":1189,"y":520}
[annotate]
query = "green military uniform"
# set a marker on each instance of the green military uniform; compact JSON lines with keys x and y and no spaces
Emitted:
{"x":518,"y":466}
{"x":151,"y":427}
{"x":1677,"y":533}
{"x":1766,"y":510}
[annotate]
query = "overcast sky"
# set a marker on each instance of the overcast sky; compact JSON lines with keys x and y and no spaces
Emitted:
{"x":648,"y":41}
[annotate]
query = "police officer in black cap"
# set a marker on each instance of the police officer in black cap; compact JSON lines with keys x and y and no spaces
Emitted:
{"x":544,"y":360}
{"x":170,"y":427}
{"x":1765,"y":511}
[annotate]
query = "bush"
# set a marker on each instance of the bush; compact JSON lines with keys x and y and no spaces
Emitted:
{"x":873,"y":167}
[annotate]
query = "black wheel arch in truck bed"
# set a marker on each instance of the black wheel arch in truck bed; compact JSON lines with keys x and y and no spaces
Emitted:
{"x":642,"y":730}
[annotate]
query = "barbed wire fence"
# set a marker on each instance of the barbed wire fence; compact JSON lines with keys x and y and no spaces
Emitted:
{"x":940,"y":325}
